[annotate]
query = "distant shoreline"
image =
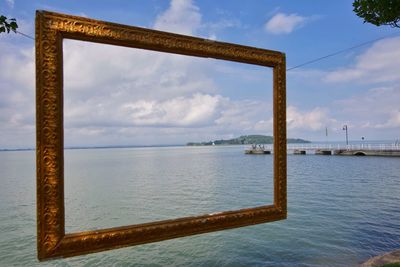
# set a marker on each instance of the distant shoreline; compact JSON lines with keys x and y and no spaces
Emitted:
{"x":94,"y":147}
{"x":248,"y":140}
{"x":334,"y":142}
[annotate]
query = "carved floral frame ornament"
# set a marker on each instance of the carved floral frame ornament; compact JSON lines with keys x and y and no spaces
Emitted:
{"x":51,"y":29}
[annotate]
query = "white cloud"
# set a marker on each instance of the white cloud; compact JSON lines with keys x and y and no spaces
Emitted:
{"x":392,"y":122}
{"x":135,"y":88}
{"x":246,"y":116}
{"x":284,"y":23}
{"x":182,"y":16}
{"x":198,"y":110}
{"x":17,"y":91}
{"x":315,"y":119}
{"x":377,"y":108}
{"x":18,"y":65}
{"x":379,"y":64}
{"x":181,"y":119}
{"x":195,"y":111}
{"x":131,"y":73}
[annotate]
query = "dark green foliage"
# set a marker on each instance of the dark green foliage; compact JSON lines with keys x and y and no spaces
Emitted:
{"x":396,"y":264}
{"x":246,"y":140}
{"x":379,"y":12}
{"x":7,"y":25}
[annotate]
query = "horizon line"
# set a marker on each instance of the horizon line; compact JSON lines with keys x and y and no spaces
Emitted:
{"x":173,"y":145}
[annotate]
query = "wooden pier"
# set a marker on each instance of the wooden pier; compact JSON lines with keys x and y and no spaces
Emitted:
{"x":384,"y":150}
{"x":367,"y":152}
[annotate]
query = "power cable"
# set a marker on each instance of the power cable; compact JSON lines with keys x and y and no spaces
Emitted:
{"x":26,"y":35}
{"x":338,"y":52}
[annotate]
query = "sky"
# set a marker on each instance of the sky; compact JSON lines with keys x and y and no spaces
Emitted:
{"x":123,"y":96}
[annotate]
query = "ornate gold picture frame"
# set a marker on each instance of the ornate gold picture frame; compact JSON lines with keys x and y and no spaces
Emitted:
{"x":51,"y":29}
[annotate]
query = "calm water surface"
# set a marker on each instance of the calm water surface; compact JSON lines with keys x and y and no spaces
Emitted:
{"x":341,"y":210}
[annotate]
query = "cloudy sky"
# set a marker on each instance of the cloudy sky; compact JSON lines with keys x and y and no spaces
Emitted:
{"x":121,"y":96}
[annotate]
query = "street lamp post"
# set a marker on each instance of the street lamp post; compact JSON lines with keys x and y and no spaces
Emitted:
{"x":347,"y":136}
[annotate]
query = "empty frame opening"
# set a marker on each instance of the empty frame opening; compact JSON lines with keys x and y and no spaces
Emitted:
{"x":129,"y":115}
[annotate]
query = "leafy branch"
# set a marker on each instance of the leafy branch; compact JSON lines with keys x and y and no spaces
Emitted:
{"x":7,"y":25}
{"x":379,"y":12}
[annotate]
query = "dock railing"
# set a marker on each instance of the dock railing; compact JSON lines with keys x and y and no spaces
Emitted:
{"x":362,"y":146}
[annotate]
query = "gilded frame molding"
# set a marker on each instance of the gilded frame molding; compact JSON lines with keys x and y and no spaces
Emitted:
{"x":51,"y":29}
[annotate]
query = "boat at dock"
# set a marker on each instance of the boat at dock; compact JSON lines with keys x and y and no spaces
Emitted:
{"x":323,"y":152}
{"x":257,"y":150}
{"x":299,"y":152}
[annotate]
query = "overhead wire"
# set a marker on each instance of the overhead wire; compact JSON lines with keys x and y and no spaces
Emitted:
{"x":339,"y":52}
{"x":26,"y":35}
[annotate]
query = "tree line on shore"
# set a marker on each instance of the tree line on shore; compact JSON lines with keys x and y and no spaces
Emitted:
{"x":247,"y":140}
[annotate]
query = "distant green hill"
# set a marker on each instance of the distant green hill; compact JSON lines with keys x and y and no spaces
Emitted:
{"x":246,"y":140}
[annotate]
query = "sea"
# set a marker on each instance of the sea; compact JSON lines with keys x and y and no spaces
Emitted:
{"x":341,"y":210}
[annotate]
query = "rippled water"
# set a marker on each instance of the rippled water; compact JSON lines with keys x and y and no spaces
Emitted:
{"x":341,"y":210}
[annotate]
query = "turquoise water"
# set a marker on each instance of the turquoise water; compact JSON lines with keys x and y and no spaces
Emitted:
{"x":341,"y":210}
